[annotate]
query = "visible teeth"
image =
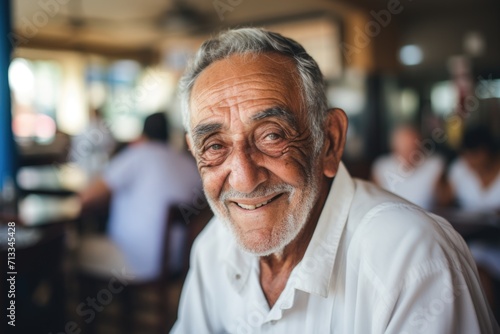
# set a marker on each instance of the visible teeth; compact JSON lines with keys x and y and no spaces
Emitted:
{"x":248,"y":207}
{"x":253,"y":207}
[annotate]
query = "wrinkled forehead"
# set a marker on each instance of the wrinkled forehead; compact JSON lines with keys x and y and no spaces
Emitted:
{"x":245,"y":80}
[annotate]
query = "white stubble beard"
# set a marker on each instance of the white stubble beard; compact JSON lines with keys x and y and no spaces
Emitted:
{"x":290,"y":228}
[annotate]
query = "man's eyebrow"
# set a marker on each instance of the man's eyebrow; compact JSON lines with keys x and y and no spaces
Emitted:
{"x":278,"y":112}
{"x":201,"y":131}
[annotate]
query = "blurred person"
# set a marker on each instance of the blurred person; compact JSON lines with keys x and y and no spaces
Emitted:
{"x":475,"y":176}
{"x":143,"y":180}
{"x":412,"y":170}
{"x":296,"y":244}
{"x":92,"y":149}
{"x":474,"y":180}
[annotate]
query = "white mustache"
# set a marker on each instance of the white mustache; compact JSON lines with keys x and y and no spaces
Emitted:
{"x":261,"y":191}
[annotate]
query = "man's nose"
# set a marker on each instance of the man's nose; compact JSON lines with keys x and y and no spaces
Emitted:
{"x":245,"y":173}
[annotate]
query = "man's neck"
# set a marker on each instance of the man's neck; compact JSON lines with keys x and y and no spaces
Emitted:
{"x":276,"y":268}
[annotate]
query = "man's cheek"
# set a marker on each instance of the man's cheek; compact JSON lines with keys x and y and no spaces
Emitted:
{"x":212,"y":187}
{"x":291,"y":169}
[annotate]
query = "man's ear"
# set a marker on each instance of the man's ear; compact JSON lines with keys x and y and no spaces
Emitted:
{"x":335,"y":137}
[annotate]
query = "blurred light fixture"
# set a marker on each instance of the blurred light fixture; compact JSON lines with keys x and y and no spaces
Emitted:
{"x":409,"y":102}
{"x":444,"y":98}
{"x":474,"y":43}
{"x":410,"y":55}
{"x":22,"y":81}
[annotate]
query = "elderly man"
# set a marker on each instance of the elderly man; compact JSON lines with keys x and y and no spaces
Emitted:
{"x":297,"y":245}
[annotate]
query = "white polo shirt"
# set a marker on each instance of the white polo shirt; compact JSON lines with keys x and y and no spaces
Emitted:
{"x":375,"y":264}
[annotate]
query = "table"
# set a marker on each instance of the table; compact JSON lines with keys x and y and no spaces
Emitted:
{"x":37,"y":209}
{"x":55,"y":179}
{"x":472,"y":225}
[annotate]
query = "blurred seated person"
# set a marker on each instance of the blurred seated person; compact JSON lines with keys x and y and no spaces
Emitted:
{"x":92,"y":149}
{"x":143,"y":180}
{"x":474,"y":181}
{"x":475,"y":176}
{"x":410,"y":171}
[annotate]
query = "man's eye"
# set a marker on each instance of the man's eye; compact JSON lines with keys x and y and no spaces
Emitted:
{"x":273,"y":136}
{"x":213,"y":154}
{"x":215,"y":147}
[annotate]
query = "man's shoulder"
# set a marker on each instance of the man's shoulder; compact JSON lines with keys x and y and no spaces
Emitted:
{"x":459,"y":170}
{"x":137,"y":151}
{"x":374,"y":209}
{"x":385,"y":229}
{"x":367,"y":196}
{"x":384,"y":162}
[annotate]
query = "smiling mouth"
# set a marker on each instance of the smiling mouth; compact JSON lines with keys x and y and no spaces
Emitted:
{"x":256,"y":206}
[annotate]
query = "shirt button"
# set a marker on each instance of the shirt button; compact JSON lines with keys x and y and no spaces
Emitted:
{"x":238,"y":276}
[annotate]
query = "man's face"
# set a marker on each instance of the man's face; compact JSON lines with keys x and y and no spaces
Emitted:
{"x":253,"y":148}
{"x":405,"y":142}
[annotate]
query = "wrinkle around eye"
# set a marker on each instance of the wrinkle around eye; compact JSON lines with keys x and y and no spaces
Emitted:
{"x":210,"y":156}
{"x":271,"y":139}
{"x":285,"y":144}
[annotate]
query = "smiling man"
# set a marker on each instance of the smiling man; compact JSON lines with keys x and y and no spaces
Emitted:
{"x":297,"y":245}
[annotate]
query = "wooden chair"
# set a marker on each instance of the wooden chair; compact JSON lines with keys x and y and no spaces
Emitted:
{"x":39,"y":267}
{"x":160,"y":285}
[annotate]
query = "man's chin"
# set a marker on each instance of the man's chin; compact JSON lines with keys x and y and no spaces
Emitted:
{"x":260,"y":250}
{"x":264,"y":245}
{"x":263,"y":242}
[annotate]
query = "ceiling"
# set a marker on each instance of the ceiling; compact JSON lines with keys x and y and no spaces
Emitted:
{"x":140,"y":26}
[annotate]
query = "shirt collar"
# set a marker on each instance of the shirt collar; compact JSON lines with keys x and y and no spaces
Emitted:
{"x":313,"y":273}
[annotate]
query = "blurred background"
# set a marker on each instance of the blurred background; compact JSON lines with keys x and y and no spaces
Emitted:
{"x":419,"y":81}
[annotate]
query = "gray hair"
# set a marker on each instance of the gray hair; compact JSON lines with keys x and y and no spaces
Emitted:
{"x":256,"y":41}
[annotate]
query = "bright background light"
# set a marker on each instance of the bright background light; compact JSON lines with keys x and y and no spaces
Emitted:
{"x":410,"y":55}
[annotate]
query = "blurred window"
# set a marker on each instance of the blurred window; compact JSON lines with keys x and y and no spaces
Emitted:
{"x":320,"y":37}
{"x":488,"y":88}
{"x":53,"y":90}
{"x":133,"y":93}
{"x":35,"y":86}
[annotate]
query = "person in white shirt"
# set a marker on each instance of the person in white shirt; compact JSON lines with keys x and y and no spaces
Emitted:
{"x":474,"y":180}
{"x":143,"y":181}
{"x":297,"y":245}
{"x":475,"y":176}
{"x":412,"y":170}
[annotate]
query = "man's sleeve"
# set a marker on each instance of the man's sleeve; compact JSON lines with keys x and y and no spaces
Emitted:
{"x":193,"y":316}
{"x":421,"y":275}
{"x":442,"y":301}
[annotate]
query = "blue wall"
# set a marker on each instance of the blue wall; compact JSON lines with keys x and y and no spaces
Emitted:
{"x":6,"y":139}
